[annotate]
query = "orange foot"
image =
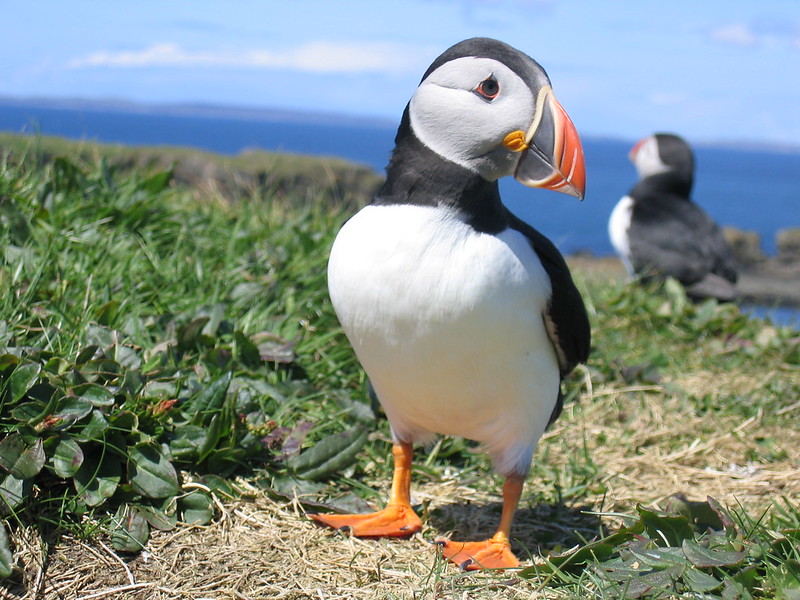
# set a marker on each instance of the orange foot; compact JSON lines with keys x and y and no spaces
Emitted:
{"x":392,"y":521}
{"x":488,"y":554}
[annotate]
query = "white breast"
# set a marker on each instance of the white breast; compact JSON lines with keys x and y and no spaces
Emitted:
{"x":448,"y":325}
{"x":618,"y":225}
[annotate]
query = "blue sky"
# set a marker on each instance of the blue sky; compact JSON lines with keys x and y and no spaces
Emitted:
{"x":706,"y":69}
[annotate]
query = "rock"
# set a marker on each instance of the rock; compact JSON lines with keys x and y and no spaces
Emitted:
{"x":745,"y":245}
{"x":788,"y":243}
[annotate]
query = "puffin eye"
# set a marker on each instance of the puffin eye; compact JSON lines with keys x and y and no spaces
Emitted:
{"x":488,"y":88}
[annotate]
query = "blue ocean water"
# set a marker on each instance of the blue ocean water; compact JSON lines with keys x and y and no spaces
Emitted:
{"x":755,"y":190}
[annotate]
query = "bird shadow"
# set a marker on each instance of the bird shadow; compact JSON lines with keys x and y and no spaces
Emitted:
{"x":538,"y":529}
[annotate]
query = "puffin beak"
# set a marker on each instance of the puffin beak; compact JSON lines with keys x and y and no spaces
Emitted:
{"x":635,"y":150}
{"x":552,"y":156}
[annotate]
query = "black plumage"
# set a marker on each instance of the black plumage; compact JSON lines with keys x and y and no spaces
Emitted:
{"x":669,"y":235}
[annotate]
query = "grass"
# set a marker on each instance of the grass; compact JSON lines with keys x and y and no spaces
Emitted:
{"x":173,"y":380}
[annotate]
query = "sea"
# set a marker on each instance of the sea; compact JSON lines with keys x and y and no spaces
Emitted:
{"x":754,"y":188}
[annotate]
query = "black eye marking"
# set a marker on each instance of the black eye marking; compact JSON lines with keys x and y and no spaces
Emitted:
{"x":488,"y":88}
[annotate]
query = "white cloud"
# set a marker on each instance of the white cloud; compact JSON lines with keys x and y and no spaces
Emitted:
{"x":737,"y":34}
{"x":317,"y":57}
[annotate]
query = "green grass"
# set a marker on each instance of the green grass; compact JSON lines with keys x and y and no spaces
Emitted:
{"x":151,"y":335}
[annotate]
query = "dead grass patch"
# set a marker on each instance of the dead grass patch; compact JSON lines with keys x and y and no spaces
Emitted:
{"x":646,"y":444}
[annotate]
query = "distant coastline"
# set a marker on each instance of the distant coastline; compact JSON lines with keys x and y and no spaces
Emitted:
{"x":245,"y":113}
{"x":288,"y":115}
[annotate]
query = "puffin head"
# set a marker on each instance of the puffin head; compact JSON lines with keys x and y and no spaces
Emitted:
{"x":491,"y":109}
{"x":663,"y":153}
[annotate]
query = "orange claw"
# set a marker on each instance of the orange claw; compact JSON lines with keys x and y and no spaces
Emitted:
{"x":396,"y":520}
{"x":494,"y":553}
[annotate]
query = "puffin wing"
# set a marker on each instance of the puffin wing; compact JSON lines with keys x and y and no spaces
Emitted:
{"x":565,"y":316}
{"x":676,"y":238}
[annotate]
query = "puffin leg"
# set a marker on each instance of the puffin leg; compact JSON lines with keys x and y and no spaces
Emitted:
{"x":494,"y":553}
{"x":398,"y":519}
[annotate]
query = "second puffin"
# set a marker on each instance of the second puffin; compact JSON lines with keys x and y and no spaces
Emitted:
{"x":464,"y":317}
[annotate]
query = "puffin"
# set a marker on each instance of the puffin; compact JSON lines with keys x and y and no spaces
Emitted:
{"x":659,"y":232}
{"x":464,"y":317}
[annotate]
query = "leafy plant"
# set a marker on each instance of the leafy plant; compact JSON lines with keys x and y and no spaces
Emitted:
{"x":117,"y":404}
{"x":693,"y":549}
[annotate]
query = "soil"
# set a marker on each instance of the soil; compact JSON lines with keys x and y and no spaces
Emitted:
{"x":770,"y":282}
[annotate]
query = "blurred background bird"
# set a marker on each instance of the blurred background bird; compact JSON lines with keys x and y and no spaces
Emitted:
{"x":659,"y":232}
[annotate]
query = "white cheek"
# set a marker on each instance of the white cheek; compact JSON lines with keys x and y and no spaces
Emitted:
{"x":647,"y":160}
{"x":449,"y":118}
{"x":451,"y":123}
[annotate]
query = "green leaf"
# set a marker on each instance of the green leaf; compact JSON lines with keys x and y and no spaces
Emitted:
{"x":662,"y":581}
{"x":748,"y":578}
{"x":189,"y":334}
{"x":56,"y":365}
{"x":29,"y":412}
{"x":67,"y":457}
{"x":7,"y":361}
{"x":666,"y":530}
{"x":101,"y":336}
{"x":245,"y":350}
{"x":72,"y":409}
{"x":705,"y":557}
{"x":196,"y":508}
{"x":13,"y":491}
{"x":106,"y":314}
{"x":596,"y":551}
{"x":213,"y":434}
{"x":700,"y":582}
{"x":733,"y":590}
{"x":132,"y":383}
{"x":130,"y":530}
{"x":128,"y":357}
{"x":95,"y":429}
{"x":220,"y":486}
{"x":162,"y":390}
{"x":225,"y":461}
{"x":187,"y":441}
{"x":6,"y":557}
{"x":360,"y":411}
{"x":330,"y":454}
{"x":20,"y":458}
{"x":97,"y":480}
{"x":124,"y":420}
{"x":86,"y":354}
{"x":150,"y":473}
{"x":208,"y":402}
{"x":96,"y":394}
{"x":102,"y":369}
{"x":704,"y":515}
{"x":159,"y":518}
{"x":23,"y":379}
{"x":629,"y":582}
{"x":659,"y":557}
{"x":723,"y":515}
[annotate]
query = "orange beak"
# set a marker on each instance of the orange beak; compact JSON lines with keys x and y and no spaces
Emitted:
{"x":553,"y":155}
{"x":635,"y":150}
